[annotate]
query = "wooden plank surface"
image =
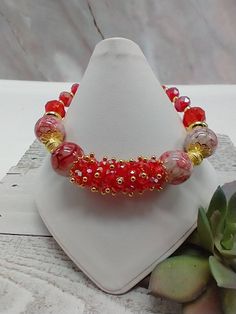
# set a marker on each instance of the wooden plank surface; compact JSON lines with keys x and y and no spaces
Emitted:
{"x":186,"y":42}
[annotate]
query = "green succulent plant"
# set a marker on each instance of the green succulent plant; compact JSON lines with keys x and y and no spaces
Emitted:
{"x":201,"y":274}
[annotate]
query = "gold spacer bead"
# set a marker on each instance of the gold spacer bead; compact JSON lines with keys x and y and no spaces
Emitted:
{"x":103,"y":192}
{"x":107,"y":190}
{"x":54,"y":114}
{"x":131,"y":160}
{"x":195,"y":156}
{"x":61,"y":102}
{"x":133,"y":178}
{"x":145,"y":159}
{"x":187,"y":108}
{"x":72,"y":180}
{"x":121,"y":161}
{"x":85,"y":179}
{"x":112,"y":166}
{"x":104,"y":158}
{"x":152,"y":188}
{"x":96,"y":174}
{"x":202,"y":124}
{"x":140,"y":158}
{"x":94,"y":189}
{"x":113,"y":159}
{"x":140,"y":192}
{"x":159,"y":176}
{"x":91,"y":155}
{"x":72,"y":94}
{"x":174,"y":99}
{"x":131,"y":194}
{"x":124,"y":192}
{"x":113,"y":193}
{"x":154,"y":157}
{"x":51,"y":145}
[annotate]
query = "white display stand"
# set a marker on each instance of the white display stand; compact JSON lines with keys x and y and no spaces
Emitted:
{"x":121,"y":110}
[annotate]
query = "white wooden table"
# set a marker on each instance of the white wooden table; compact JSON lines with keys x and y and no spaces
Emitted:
{"x":35,"y":275}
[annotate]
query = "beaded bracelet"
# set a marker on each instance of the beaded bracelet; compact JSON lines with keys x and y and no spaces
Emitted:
{"x":135,"y":175}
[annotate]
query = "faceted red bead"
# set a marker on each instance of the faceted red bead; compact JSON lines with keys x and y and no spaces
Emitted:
{"x":55,"y":106}
{"x":64,"y":156}
{"x":192,"y":115}
{"x":74,"y":88}
{"x":181,"y":103}
{"x":172,"y":92}
{"x":66,"y":98}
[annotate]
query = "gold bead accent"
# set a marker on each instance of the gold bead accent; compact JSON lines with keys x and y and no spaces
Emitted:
{"x":54,"y":114}
{"x":94,"y":189}
{"x":91,"y":155}
{"x":107,"y":190}
{"x":174,"y":99}
{"x":195,"y":154}
{"x":152,"y":188}
{"x":96,"y":174}
{"x":140,"y":192}
{"x":120,"y":180}
{"x":113,"y":159}
{"x":104,"y":158}
{"x":112,"y":166}
{"x":202,"y":124}
{"x":131,"y":160}
{"x":143,"y":175}
{"x":52,"y":140}
{"x":72,"y":180}
{"x":159,"y":176}
{"x":131,"y":194}
{"x":140,"y":158}
{"x":113,"y":193}
{"x":145,"y":159}
{"x":87,"y":158}
{"x":133,"y":178}
{"x":72,"y":94}
{"x":61,"y":102}
{"x":85,"y":179}
{"x":124,"y":192}
{"x":154,"y":158}
{"x":103,"y":192}
{"x":187,"y":108}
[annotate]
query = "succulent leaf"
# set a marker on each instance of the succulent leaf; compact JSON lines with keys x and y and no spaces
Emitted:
{"x":180,"y":278}
{"x":229,"y":301}
{"x":229,"y":253}
{"x":208,"y":302}
{"x":224,"y":276}
{"x":231,"y":213}
{"x":218,"y":202}
{"x":204,"y":230}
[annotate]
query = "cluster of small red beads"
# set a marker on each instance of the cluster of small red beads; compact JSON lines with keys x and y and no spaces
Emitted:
{"x":112,"y":176}
{"x":65,"y":98}
{"x":182,"y":104}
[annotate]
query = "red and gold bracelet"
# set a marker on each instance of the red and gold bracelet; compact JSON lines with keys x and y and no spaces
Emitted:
{"x":110,"y":175}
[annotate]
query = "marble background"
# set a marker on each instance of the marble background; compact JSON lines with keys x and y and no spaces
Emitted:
{"x":185,"y":41}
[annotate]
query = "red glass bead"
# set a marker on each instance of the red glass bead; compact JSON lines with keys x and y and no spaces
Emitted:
{"x":74,"y":88}
{"x":55,"y":106}
{"x":49,"y":125}
{"x":172,"y":92}
{"x":181,"y":103}
{"x":64,"y":156}
{"x":192,"y":115}
{"x":66,"y":98}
